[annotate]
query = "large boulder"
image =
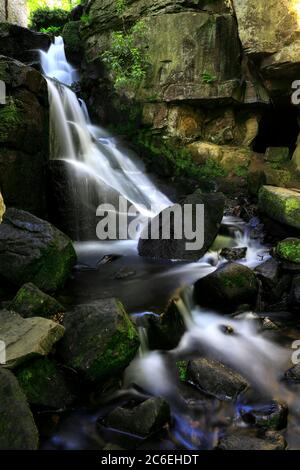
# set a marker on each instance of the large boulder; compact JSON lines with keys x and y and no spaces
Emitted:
{"x":281,"y":204}
{"x":27,"y":338}
{"x":33,"y":250}
{"x":32,"y":302}
{"x":228,"y":287}
{"x":21,"y":43}
{"x":100,"y":339}
{"x":177,"y":248}
{"x":24,"y":137}
{"x":18,"y":430}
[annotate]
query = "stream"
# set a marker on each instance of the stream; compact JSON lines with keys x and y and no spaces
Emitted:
{"x":114,"y":269}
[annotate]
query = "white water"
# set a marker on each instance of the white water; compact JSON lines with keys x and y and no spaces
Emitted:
{"x":93,"y":152}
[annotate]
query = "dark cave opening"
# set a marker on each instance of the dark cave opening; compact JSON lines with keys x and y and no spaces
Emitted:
{"x":278,"y":127}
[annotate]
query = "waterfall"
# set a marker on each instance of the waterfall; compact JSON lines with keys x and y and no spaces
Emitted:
{"x":101,"y":165}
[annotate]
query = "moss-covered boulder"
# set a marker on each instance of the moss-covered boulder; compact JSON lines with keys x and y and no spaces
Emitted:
{"x":100,"y":339}
{"x":228,"y":287}
{"x":44,"y":384}
{"x":288,"y":250}
{"x":33,"y":250}
{"x":73,"y":41}
{"x":281,"y":204}
{"x":32,"y":302}
{"x":17,"y":427}
{"x":26,"y":338}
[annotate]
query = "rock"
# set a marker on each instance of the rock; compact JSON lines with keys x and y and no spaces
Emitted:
{"x":32,"y":250}
{"x":18,"y":431}
{"x":100,"y":339}
{"x":245,"y":440}
{"x":2,"y":208}
{"x":293,"y":374}
{"x":176,"y":248}
{"x":44,"y":384}
{"x":24,"y":137}
{"x":22,"y":44}
{"x":32,"y":302}
{"x":294,"y":297}
{"x":272,"y":416}
{"x":264,"y":30}
{"x":269,"y":273}
{"x":288,"y":250}
{"x":27,"y":338}
{"x":142,"y":420}
{"x":277,"y":154}
{"x":281,"y":204}
{"x":233,"y":254}
{"x":228,"y":287}
{"x":73,"y":41}
{"x":216,"y":379}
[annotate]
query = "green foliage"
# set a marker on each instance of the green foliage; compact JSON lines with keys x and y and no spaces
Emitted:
{"x":52,"y":30}
{"x":127,"y":57}
{"x":120,"y":7}
{"x":85,"y":20}
{"x":208,"y":78}
{"x":241,"y":171}
{"x":45,"y":18}
{"x":62,"y":4}
{"x":10,"y":118}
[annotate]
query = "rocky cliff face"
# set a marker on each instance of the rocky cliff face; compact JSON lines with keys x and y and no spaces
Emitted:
{"x":215,"y":67}
{"x":14,"y":11}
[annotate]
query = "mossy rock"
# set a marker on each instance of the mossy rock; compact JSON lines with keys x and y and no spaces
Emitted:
{"x":32,"y":302}
{"x":281,"y":204}
{"x":33,"y":250}
{"x":100,"y":339}
{"x":72,"y":38}
{"x":228,"y":287}
{"x":289,"y":250}
{"x":44,"y":384}
{"x":17,"y":427}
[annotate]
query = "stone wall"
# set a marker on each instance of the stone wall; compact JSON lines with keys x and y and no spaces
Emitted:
{"x":14,"y":11}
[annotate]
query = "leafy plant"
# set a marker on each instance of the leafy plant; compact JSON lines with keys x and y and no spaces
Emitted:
{"x":120,"y":7}
{"x":53,"y":30}
{"x":127,"y":57}
{"x":86,"y":20}
{"x":44,"y":18}
{"x":208,"y":78}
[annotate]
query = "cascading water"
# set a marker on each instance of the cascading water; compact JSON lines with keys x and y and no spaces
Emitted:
{"x":95,"y":154}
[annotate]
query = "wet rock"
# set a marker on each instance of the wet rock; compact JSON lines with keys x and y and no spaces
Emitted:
{"x":32,"y":302}
{"x":142,"y":420}
{"x":288,"y":250}
{"x":245,"y":440}
{"x":228,"y":287}
{"x":293,"y":374}
{"x":166,"y":331}
{"x":27,"y":337}
{"x":294,"y":297}
{"x":216,"y":379}
{"x":32,"y":250}
{"x":100,"y":339}
{"x":271,"y":416}
{"x":24,"y":137}
{"x":21,"y":43}
{"x":233,"y":254}
{"x":2,"y":207}
{"x":73,"y":41}
{"x":269,"y":273}
{"x":176,"y":249}
{"x":281,"y":204}
{"x":18,"y":430}
{"x":44,"y":384}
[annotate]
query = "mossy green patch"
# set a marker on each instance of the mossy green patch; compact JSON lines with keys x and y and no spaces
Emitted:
{"x":10,"y":118}
{"x":182,"y":369}
{"x":289,"y":250}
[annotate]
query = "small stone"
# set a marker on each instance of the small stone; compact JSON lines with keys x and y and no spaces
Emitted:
{"x":293,"y":374}
{"x":142,"y":420}
{"x":272,"y":416}
{"x":32,"y":302}
{"x":269,"y":273}
{"x":216,"y":379}
{"x":234,"y":254}
{"x":244,"y":440}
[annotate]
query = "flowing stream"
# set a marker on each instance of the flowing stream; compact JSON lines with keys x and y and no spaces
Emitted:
{"x":145,"y":286}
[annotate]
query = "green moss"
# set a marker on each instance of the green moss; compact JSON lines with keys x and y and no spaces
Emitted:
{"x":10,"y":118}
{"x":71,"y":35}
{"x":182,"y":369}
{"x":30,"y":301}
{"x":289,"y":250}
{"x":280,"y":205}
